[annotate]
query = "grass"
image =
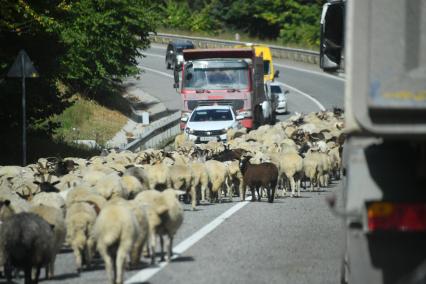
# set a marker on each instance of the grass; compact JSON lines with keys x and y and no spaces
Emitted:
{"x":230,"y":35}
{"x":91,"y":120}
{"x":85,"y":119}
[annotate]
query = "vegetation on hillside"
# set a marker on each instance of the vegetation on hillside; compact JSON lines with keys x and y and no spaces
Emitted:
{"x":288,"y":22}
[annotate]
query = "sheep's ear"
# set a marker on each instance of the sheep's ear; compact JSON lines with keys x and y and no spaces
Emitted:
{"x":128,"y":166}
{"x":7,"y":202}
{"x":56,"y":182}
{"x":36,"y":182}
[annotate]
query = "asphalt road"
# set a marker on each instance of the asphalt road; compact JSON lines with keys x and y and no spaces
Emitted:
{"x":293,"y":240}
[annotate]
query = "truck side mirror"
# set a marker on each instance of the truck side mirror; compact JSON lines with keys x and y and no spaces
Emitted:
{"x":286,"y":92}
{"x":184,"y":119}
{"x":331,"y":36}
{"x":239,"y":117}
{"x":176,"y":77}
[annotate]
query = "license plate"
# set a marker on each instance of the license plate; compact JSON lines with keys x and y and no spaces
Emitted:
{"x":209,"y":138}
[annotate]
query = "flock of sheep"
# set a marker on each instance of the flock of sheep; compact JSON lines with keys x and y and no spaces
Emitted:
{"x":120,"y":203}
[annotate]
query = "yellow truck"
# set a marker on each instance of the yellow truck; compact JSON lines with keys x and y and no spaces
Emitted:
{"x":265,"y":52}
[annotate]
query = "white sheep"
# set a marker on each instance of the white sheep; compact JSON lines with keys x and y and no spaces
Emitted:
{"x":217,"y":173}
{"x":80,"y":219}
{"x":116,"y":230}
{"x":110,"y":186}
{"x":166,"y":205}
{"x":51,"y":199}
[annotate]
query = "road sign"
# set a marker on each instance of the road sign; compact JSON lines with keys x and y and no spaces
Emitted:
{"x":16,"y":70}
{"x":23,"y":68}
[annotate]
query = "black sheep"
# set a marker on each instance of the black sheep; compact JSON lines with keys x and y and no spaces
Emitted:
{"x":26,"y":242}
{"x":259,"y":175}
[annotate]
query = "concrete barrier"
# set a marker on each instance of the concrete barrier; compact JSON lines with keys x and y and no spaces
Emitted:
{"x":295,"y":54}
{"x":155,"y":134}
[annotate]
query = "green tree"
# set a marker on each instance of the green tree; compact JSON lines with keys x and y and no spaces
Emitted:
{"x":103,"y":40}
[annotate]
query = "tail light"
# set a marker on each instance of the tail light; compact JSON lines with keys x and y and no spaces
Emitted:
{"x":388,"y":216}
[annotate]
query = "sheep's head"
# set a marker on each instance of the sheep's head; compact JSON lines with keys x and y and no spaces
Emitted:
{"x":46,"y":185}
{"x":6,"y":210}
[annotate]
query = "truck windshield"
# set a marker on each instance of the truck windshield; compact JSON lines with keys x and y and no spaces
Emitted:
{"x":217,"y":78}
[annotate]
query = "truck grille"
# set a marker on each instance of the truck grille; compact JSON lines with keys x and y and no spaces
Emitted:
{"x":236,"y":104}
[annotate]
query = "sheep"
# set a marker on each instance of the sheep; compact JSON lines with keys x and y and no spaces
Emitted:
{"x":54,"y":217}
{"x":51,"y":199}
{"x":200,"y":178}
{"x":139,"y":173}
{"x":291,"y":165}
{"x":80,"y":219}
{"x":26,"y":242}
{"x":179,"y":140}
{"x":110,"y":186}
{"x":141,"y":214}
{"x":131,"y":185}
{"x":217,"y":173}
{"x":235,"y":177}
{"x":310,"y":169}
{"x":11,"y":203}
{"x":158,"y":176}
{"x":180,"y":178}
{"x":165,"y":216}
{"x":255,"y":176}
{"x":336,"y":162}
{"x":116,"y":230}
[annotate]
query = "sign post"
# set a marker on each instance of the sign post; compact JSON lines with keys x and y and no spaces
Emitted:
{"x":22,"y":68}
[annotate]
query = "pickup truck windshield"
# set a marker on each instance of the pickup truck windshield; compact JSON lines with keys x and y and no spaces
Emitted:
{"x":210,"y":76}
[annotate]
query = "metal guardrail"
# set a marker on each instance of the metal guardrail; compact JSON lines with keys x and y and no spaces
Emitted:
{"x":156,"y":133}
{"x":295,"y":54}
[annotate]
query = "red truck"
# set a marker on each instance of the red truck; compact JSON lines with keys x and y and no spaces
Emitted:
{"x":227,"y":76}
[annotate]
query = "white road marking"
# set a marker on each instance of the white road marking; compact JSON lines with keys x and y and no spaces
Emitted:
{"x":309,"y":71}
{"x":147,"y":273}
{"x":156,"y":71}
{"x":153,"y":54}
{"x":321,"y":107}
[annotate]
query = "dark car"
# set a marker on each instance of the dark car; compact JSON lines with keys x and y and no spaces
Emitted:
{"x":174,"y":54}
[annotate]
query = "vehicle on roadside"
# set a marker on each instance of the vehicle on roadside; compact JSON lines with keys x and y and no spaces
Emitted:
{"x":207,"y":123}
{"x":280,"y":97}
{"x":265,"y":52}
{"x":269,"y":106}
{"x":174,"y":52}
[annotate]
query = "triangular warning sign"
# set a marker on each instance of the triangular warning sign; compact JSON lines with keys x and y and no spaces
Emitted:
{"x":22,"y":60}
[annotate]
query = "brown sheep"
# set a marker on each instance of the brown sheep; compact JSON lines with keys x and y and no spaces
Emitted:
{"x":255,"y":176}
